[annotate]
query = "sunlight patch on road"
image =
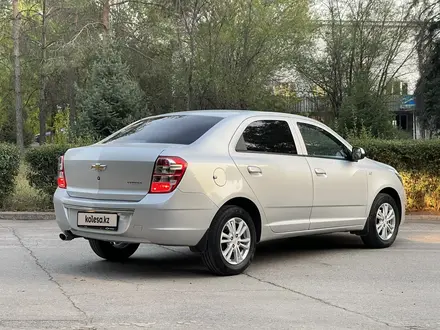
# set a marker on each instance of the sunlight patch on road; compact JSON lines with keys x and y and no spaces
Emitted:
{"x":432,"y":238}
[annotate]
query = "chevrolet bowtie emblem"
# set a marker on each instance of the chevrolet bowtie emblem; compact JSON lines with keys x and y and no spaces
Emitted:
{"x":99,"y":167}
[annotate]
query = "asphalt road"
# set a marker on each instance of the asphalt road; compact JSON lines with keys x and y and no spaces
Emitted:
{"x":321,"y":282}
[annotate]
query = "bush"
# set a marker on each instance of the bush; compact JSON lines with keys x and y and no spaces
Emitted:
{"x":418,"y":161}
{"x":43,"y":166}
{"x":413,"y":156}
{"x":26,"y":198}
{"x":9,"y":167}
{"x":423,"y":191}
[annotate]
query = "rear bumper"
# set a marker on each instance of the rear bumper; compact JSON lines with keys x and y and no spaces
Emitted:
{"x":169,"y":219}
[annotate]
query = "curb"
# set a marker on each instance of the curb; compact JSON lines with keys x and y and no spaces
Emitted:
{"x":422,"y":217}
{"x":412,"y":217}
{"x":27,"y":216}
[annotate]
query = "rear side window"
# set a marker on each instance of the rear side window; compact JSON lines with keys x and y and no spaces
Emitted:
{"x":182,"y":129}
{"x":267,"y":136}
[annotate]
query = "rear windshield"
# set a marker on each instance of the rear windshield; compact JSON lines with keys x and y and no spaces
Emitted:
{"x":179,"y":129}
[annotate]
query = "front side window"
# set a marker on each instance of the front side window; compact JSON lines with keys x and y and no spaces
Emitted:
{"x":267,"y":136}
{"x":321,"y":143}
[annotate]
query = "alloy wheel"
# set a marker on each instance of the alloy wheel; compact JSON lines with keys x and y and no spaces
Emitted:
{"x":385,"y":221}
{"x":235,"y":241}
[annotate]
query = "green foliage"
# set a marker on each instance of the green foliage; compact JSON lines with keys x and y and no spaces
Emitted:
{"x":353,"y":63}
{"x":431,"y":93}
{"x":238,"y":49}
{"x":42,"y":162}
{"x":418,"y":161}
{"x":412,"y":156}
{"x":26,"y":198}
{"x":9,"y":166}
{"x":110,"y":99}
{"x":61,"y":126}
{"x":364,"y":113}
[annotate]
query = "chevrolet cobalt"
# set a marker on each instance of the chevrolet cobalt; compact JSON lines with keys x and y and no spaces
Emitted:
{"x":220,"y":182}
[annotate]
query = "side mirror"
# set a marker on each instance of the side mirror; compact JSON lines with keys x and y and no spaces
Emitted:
{"x":357,"y":154}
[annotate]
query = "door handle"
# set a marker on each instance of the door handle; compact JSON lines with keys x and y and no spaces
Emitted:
{"x":320,"y":171}
{"x":254,"y":170}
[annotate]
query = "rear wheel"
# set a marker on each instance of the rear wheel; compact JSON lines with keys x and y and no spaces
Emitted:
{"x":383,"y":222}
{"x":113,"y":251}
{"x":231,"y":242}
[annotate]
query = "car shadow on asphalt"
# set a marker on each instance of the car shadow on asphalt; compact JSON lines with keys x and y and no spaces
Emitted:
{"x":181,"y":263}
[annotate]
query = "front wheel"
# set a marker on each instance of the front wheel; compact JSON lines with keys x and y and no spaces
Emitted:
{"x":113,"y":251}
{"x":383,"y":222}
{"x":231,"y":242}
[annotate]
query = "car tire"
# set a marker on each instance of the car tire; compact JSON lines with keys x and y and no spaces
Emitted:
{"x":113,"y":251}
{"x":242,"y":247}
{"x":379,"y":233}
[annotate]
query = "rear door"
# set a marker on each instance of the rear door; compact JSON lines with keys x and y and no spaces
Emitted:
{"x":339,"y":184}
{"x":265,"y":151}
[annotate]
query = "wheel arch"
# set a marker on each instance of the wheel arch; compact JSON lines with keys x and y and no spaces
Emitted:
{"x":394,"y":195}
{"x":249,"y":206}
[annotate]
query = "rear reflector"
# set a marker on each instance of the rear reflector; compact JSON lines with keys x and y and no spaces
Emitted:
{"x":61,"y":180}
{"x":167,"y":174}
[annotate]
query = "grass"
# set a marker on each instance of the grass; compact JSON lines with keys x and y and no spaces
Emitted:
{"x":26,"y":198}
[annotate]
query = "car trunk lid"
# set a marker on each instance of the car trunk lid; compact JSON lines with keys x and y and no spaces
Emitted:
{"x":111,"y":171}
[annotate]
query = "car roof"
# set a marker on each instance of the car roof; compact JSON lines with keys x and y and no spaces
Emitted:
{"x":224,"y":113}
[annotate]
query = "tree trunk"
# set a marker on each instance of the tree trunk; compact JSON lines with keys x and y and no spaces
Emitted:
{"x":71,"y":78}
{"x":72,"y":101}
{"x":42,"y":102}
{"x":17,"y":74}
{"x":106,"y":18}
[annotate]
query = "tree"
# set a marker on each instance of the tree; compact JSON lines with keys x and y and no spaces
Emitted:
{"x":232,"y":51}
{"x":110,"y":99}
{"x":16,"y":19}
{"x":431,"y":92}
{"x":360,"y":49}
{"x":43,"y":80}
{"x":193,"y":54}
{"x":428,"y":18}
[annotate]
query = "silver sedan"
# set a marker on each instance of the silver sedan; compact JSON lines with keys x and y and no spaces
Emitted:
{"x":220,"y":182}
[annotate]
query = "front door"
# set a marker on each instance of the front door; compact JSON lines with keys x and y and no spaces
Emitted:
{"x":265,"y":152}
{"x":339,"y":184}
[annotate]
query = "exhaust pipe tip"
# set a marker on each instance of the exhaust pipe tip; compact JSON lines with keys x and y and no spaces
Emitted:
{"x":67,"y":236}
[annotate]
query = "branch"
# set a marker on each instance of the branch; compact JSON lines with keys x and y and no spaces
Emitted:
{"x":400,"y":67}
{"x":29,"y":97}
{"x":140,"y":53}
{"x":81,"y":31}
{"x":139,"y":2}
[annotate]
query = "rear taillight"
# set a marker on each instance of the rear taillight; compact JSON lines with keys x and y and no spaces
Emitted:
{"x":61,"y":174}
{"x":167,"y":174}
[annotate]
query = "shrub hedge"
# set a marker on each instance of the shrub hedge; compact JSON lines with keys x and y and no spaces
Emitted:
{"x":418,"y":162}
{"x":422,"y":190}
{"x":405,"y":155}
{"x":43,"y":166}
{"x":9,"y":167}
